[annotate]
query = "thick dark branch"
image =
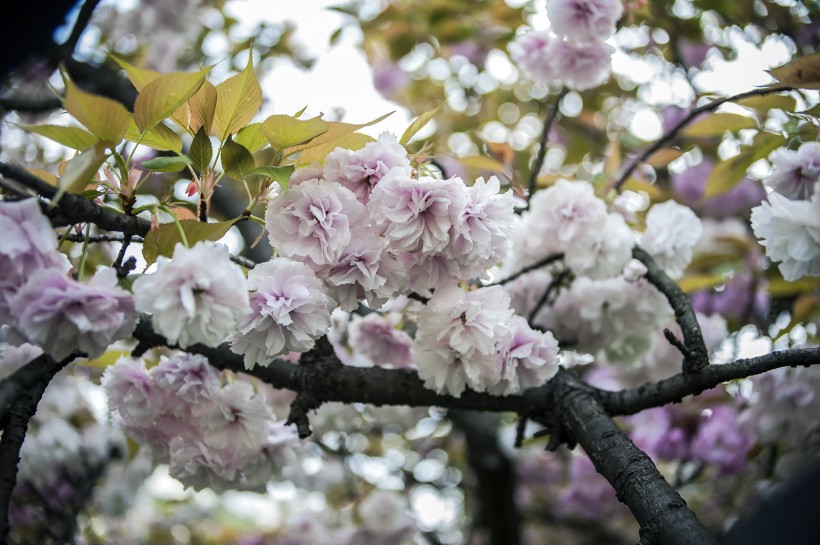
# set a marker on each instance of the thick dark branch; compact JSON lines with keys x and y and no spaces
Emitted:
{"x":83,"y":18}
{"x":40,"y":368}
{"x":534,"y":267}
{"x":75,"y":207}
{"x":10,"y":444}
{"x":30,"y":105}
{"x":552,"y":115}
{"x":674,"y":131}
{"x":695,"y":355}
{"x":494,"y":475}
{"x":660,"y":510}
{"x":674,"y":389}
{"x":345,"y":384}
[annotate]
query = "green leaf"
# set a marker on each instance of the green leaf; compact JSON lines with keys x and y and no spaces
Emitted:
{"x":161,"y":241}
{"x":803,"y":73}
{"x":298,"y":114}
{"x":717,"y":124}
{"x":280,"y":175}
{"x":80,"y":171}
{"x":238,"y":100}
{"x":352,"y":141}
{"x":105,"y":118}
{"x":161,"y":97}
{"x":166,"y":164}
{"x":335,"y":133}
{"x":481,"y":162}
{"x":159,"y":137}
{"x":417,"y":125}
{"x":71,"y":137}
{"x":284,"y":131}
{"x":237,"y":161}
{"x":202,"y":108}
{"x":770,"y":102}
{"x":251,"y":137}
{"x":201,"y":150}
{"x":139,"y":77}
{"x":728,"y":173}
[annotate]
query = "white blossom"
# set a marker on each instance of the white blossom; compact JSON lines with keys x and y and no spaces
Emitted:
{"x":289,"y":309}
{"x":795,"y":171}
{"x":790,"y":231}
{"x":584,"y":21}
{"x":195,"y":297}
{"x":672,"y":231}
{"x":527,"y":358}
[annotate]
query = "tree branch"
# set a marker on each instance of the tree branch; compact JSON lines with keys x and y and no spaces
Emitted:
{"x":76,"y":208}
{"x":695,"y":355}
{"x":31,"y":105}
{"x":40,"y":368}
{"x":83,"y":18}
{"x":552,"y":115}
{"x":674,"y":389}
{"x":10,"y":443}
{"x":674,"y":131}
{"x":534,"y":267}
{"x":660,"y":510}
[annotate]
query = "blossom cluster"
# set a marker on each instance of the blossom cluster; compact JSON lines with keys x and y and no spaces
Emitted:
{"x":212,"y":432}
{"x":473,"y":339}
{"x":788,"y":224}
{"x":41,"y":303}
{"x":572,"y":52}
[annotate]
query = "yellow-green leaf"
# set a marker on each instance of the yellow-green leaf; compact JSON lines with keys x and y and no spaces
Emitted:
{"x":237,"y":162}
{"x":803,"y":72}
{"x":161,"y":241}
{"x":480,"y":162}
{"x":161,"y":97}
{"x":284,"y":131}
{"x":202,"y":107}
{"x":159,"y":137}
{"x":717,"y":124}
{"x":335,"y":132}
{"x":280,"y":175}
{"x":770,"y":102}
{"x":697,"y":282}
{"x":417,"y":125}
{"x":251,"y":137}
{"x":663,"y":157}
{"x":71,"y":137}
{"x":238,"y":100}
{"x":45,"y":175}
{"x":728,"y":173}
{"x":105,"y":118}
{"x":139,"y":77}
{"x":80,"y":171}
{"x":316,"y":154}
{"x":778,"y":287}
{"x":110,"y":357}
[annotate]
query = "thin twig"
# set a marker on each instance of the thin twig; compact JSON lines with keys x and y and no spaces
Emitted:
{"x":535,"y":266}
{"x":83,"y":18}
{"x":552,"y":115}
{"x":553,"y":285}
{"x":673,"y":132}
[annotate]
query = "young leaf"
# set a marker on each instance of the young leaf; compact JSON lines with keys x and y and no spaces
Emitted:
{"x":803,"y":73}
{"x":139,"y":77}
{"x":335,"y":132}
{"x":201,"y":150}
{"x":237,"y":161}
{"x":202,"y":107}
{"x":766,"y":103}
{"x":161,"y":241}
{"x":71,"y":137}
{"x":280,"y":175}
{"x":251,"y":137}
{"x":717,"y":124}
{"x":166,"y":164}
{"x":238,"y":100}
{"x":284,"y":131}
{"x":727,"y":174}
{"x":352,"y":141}
{"x":160,"y":137}
{"x":45,"y":175}
{"x":160,"y":98}
{"x":105,"y":118}
{"x":417,"y":125}
{"x":81,"y":170}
